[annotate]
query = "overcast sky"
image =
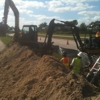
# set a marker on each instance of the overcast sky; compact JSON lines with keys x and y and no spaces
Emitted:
{"x":39,"y":11}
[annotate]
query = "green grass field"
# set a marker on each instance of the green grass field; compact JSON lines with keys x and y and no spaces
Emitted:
{"x":6,"y":40}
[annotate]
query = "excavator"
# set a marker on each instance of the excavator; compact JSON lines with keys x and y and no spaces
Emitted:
{"x":29,"y":32}
{"x":85,"y":45}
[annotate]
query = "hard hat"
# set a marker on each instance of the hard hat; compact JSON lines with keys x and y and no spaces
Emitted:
{"x":80,"y":54}
{"x":64,"y":53}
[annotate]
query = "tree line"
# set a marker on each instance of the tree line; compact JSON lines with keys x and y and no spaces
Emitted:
{"x":83,"y":28}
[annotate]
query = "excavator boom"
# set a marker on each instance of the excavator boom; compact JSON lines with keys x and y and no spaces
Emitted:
{"x":10,"y":3}
{"x":73,"y":28}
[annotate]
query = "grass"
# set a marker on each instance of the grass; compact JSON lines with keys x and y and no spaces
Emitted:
{"x":56,"y":55}
{"x":62,"y":36}
{"x":6,"y":40}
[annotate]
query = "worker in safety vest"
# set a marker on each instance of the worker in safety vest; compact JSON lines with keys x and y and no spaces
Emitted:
{"x":76,"y":64}
{"x":65,"y":60}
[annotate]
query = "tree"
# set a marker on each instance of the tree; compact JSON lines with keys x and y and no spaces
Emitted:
{"x":83,"y":27}
{"x":94,"y":25}
{"x":43,"y":27}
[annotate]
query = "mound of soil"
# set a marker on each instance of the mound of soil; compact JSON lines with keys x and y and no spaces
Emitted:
{"x":25,"y":76}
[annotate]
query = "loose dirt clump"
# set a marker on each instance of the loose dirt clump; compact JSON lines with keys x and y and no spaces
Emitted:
{"x":25,"y":76}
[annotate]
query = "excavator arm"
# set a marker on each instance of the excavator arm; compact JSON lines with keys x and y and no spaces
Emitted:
{"x":75,"y":33}
{"x":10,"y":3}
{"x":50,"y":31}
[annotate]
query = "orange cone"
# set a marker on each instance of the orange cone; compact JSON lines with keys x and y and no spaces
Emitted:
{"x":67,"y":42}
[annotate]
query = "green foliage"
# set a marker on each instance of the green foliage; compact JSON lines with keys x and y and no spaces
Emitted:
{"x":56,"y":55}
{"x":6,"y":40}
{"x":42,"y":27}
{"x":94,"y":26}
{"x":95,"y":23}
{"x":43,"y":24}
{"x":83,"y":27}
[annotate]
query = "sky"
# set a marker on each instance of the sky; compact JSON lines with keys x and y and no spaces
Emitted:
{"x":35,"y":12}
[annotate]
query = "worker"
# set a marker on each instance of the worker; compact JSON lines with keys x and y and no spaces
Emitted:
{"x":98,"y":33}
{"x":76,"y":64}
{"x":85,"y":60}
{"x":65,"y":60}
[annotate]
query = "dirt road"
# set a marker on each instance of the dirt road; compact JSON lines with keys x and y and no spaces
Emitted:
{"x":2,"y":45}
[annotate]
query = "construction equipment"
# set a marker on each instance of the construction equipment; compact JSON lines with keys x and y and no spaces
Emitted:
{"x":94,"y":72}
{"x":47,"y":45}
{"x":81,"y":44}
{"x":29,"y":34}
{"x":10,"y":3}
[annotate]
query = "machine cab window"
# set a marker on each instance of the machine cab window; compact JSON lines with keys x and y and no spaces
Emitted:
{"x":25,"y":30}
{"x":34,"y":28}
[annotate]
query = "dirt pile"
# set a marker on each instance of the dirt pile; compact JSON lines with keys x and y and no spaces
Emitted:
{"x":25,"y":76}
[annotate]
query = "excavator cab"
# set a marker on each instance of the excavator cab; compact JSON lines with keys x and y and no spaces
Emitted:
{"x":92,"y":43}
{"x":29,"y":34}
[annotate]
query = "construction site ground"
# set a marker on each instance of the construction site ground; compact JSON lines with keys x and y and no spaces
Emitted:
{"x":26,"y":76}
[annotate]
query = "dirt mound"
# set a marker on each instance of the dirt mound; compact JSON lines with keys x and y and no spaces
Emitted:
{"x":25,"y":76}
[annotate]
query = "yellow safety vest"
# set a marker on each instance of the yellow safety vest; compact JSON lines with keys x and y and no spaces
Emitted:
{"x":77,"y":65}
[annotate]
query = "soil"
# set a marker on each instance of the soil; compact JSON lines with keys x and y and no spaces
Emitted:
{"x":26,"y":76}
